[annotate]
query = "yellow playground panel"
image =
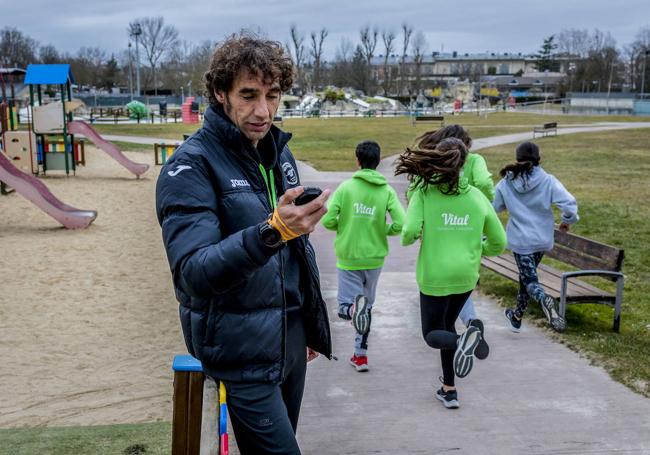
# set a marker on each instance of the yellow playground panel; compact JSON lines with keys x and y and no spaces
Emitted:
{"x":163,"y":151}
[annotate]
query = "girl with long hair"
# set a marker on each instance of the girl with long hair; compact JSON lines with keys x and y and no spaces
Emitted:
{"x":456,"y":224}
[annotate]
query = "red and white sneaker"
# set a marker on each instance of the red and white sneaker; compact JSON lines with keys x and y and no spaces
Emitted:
{"x":359,"y":363}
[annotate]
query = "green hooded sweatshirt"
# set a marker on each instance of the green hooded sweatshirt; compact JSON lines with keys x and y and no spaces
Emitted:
{"x":452,"y":229}
{"x":476,"y":172}
{"x":357,"y":212}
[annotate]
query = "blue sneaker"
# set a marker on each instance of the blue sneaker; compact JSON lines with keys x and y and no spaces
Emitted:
{"x":514,"y":324}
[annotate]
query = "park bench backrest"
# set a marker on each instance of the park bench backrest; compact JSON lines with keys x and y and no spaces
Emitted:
{"x":429,"y":117}
{"x":550,"y":125}
{"x":586,"y":254}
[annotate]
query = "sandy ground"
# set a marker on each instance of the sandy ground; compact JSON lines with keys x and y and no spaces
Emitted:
{"x":88,"y":319}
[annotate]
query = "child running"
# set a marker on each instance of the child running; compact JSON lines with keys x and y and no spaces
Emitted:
{"x":357,"y":212}
{"x":477,"y":174}
{"x":451,"y":218}
{"x":529,"y":193}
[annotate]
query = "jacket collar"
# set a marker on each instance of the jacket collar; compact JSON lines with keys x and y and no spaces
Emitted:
{"x":218,"y":123}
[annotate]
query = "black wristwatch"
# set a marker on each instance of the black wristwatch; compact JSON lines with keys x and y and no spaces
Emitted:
{"x":270,"y":236}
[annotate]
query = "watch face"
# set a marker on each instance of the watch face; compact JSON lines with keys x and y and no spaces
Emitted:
{"x":270,"y":236}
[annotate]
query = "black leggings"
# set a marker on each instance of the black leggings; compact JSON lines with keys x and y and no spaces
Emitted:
{"x":438,"y":315}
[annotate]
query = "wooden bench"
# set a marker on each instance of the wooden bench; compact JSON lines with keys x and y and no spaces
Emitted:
{"x":198,"y":410}
{"x":545,"y":129}
{"x":429,"y":118}
{"x":277,"y":120}
{"x":591,"y":257}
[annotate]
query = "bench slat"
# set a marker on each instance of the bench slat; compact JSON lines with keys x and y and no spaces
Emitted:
{"x":611,"y":256}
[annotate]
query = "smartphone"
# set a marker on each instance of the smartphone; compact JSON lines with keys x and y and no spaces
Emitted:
{"x":311,"y":193}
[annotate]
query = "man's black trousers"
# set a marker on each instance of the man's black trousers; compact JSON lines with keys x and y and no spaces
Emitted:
{"x":264,"y":416}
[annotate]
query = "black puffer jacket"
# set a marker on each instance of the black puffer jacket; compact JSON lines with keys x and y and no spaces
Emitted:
{"x":210,"y":200}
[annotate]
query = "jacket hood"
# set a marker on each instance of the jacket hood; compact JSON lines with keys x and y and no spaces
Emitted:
{"x":370,"y":176}
{"x":525,"y":183}
{"x":218,"y":123}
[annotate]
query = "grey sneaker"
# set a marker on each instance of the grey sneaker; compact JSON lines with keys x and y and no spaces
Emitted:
{"x":361,"y":315}
{"x":483,"y":349}
{"x":552,"y":316}
{"x":464,"y":355}
{"x":514,"y":324}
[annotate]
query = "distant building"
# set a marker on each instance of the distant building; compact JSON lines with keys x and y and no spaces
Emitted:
{"x":441,"y":68}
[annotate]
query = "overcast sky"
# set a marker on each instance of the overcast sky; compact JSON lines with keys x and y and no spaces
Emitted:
{"x":461,"y":25}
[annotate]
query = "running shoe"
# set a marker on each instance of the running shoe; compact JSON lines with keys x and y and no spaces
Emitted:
{"x":448,"y":398}
{"x":464,"y":355}
{"x":514,"y":324}
{"x":360,"y":363}
{"x":361,"y":315}
{"x":552,"y":316}
{"x":482,"y":350}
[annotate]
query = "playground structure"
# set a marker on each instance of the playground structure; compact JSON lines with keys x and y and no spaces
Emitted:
{"x":20,"y":147}
{"x":163,"y":151}
{"x":55,"y":120}
{"x":49,"y":144}
{"x":200,"y":415}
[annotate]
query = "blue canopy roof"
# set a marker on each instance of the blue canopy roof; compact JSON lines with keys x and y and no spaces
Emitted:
{"x":48,"y":74}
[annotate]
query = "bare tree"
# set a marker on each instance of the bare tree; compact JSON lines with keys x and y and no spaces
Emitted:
{"x":48,"y":54}
{"x":298,"y":55}
{"x":407,"y":31}
{"x":341,"y":73}
{"x":316,"y":52}
{"x":368,"y":46}
{"x":640,"y":54}
{"x":418,"y":47}
{"x":88,"y":65}
{"x":157,"y":39}
{"x":388,"y":37}
{"x":16,"y":48}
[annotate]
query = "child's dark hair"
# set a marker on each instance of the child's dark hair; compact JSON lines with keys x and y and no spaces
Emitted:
{"x":439,"y":166}
{"x":368,"y":153}
{"x":527,"y":154}
{"x":430,"y":139}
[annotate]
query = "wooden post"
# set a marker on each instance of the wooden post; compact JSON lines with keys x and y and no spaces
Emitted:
{"x":187,"y":403}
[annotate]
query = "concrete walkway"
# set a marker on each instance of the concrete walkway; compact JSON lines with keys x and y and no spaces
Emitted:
{"x":530,"y":396}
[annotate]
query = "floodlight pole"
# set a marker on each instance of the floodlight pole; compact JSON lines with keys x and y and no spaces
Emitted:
{"x":136,"y":30}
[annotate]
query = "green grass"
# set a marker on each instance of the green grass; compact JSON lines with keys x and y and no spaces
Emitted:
{"x":609,"y":174}
{"x":133,"y":146}
{"x":138,"y":439}
{"x":328,"y":143}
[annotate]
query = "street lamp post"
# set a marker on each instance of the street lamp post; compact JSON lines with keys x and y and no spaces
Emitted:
{"x":136,"y":31}
{"x":182,"y":95}
{"x":130,"y":72}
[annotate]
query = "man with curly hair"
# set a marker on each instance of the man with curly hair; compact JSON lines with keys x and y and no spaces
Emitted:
{"x":243,"y":269}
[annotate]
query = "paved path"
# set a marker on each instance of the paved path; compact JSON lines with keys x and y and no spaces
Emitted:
{"x":531,"y":396}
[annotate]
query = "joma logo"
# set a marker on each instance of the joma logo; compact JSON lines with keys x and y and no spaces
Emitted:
{"x":235,"y":183}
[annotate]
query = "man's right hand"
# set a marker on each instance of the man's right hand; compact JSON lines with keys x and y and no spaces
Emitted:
{"x":302,"y":219}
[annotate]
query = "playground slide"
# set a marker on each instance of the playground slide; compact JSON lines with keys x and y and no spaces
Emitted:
{"x":81,"y":127}
{"x":36,"y":192}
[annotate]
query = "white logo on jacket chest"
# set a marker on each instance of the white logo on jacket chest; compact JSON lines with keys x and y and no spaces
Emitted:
{"x":453,"y":220}
{"x":239,"y":183}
